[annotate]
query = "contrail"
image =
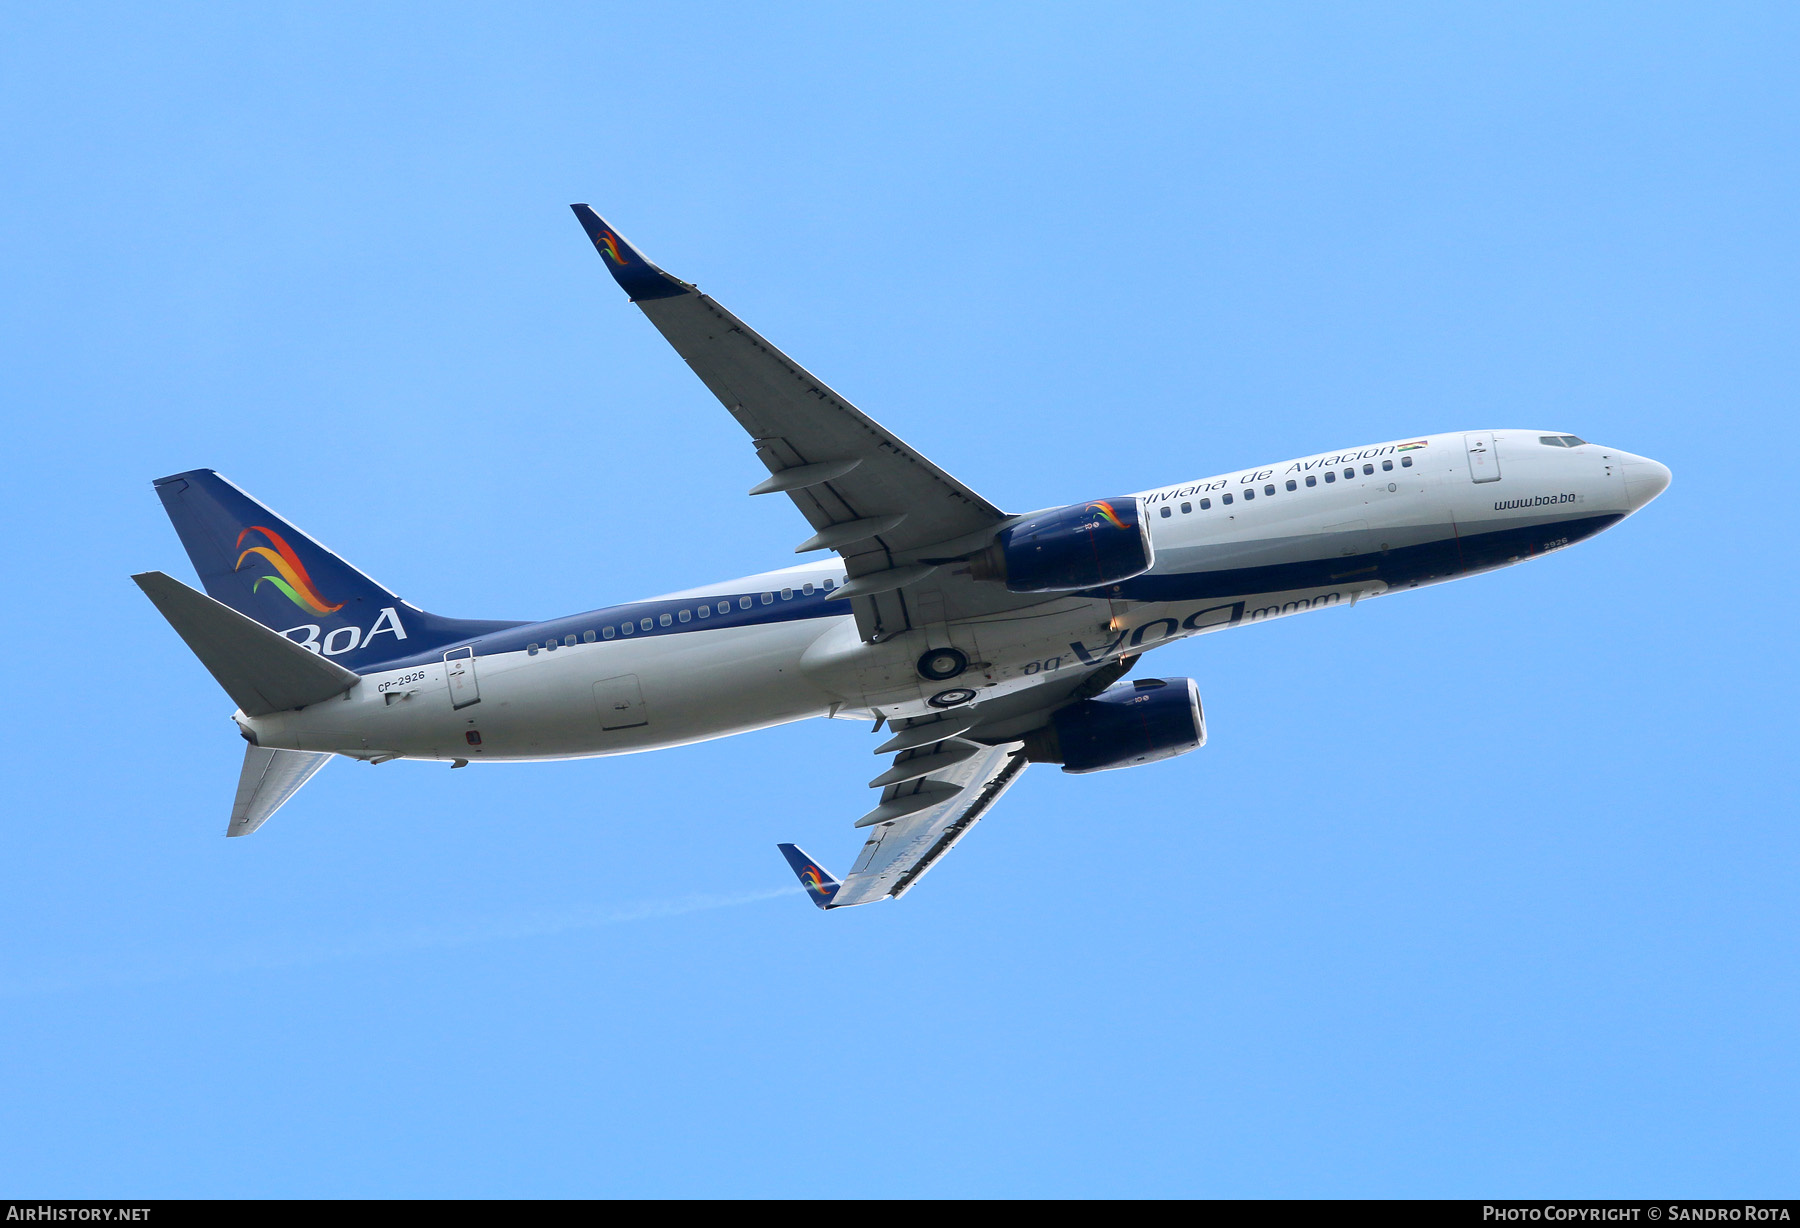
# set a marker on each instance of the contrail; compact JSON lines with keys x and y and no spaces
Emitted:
{"x":494,"y":929}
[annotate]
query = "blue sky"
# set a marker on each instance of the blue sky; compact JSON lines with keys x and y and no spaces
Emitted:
{"x":1483,"y":891}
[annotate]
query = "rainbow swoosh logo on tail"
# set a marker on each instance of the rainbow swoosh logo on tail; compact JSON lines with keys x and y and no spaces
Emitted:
{"x":814,"y":880}
{"x":1104,"y":511}
{"x":290,"y":577}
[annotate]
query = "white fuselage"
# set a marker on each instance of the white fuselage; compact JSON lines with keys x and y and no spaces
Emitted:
{"x":772,"y":648}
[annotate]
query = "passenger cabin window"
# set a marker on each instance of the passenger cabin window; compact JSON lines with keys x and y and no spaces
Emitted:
{"x":1186,"y":508}
{"x":684,"y":616}
{"x":768,"y":598}
{"x":1249,"y":494}
{"x":644,"y":623}
{"x":1166,"y":512}
{"x":743,"y":603}
{"x":531,"y":650}
{"x":549,"y":645}
{"x":568,"y":641}
{"x":828,"y":585}
{"x":1270,"y":488}
{"x":807,"y":588}
{"x":589,"y":636}
{"x":1386,"y":465}
{"x":1311,"y":480}
{"x":1206,"y":505}
{"x":1349,"y":473}
{"x":724,"y":607}
{"x":1291,"y":485}
{"x":1226,"y":497}
{"x":1332,"y":476}
{"x":1368,"y":470}
{"x":787,"y":594}
{"x":665,"y":620}
{"x":628,"y":628}
{"x":1406,"y":462}
{"x":606,"y":633}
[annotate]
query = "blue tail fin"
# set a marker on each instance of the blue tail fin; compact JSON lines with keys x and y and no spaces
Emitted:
{"x":264,"y":568}
{"x":818,"y":883}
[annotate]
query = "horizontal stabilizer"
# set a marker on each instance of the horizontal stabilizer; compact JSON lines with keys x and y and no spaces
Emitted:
{"x":269,"y":778}
{"x":262,"y":670}
{"x":818,"y":883}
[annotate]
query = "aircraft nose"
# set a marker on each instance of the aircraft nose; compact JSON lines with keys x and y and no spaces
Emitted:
{"x":1644,"y":479}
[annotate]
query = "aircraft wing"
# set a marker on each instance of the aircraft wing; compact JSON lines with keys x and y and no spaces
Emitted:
{"x":949,"y":770}
{"x":900,"y":850}
{"x":868,"y":495}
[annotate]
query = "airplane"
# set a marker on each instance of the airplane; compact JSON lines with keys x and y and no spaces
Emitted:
{"x":983,"y":641}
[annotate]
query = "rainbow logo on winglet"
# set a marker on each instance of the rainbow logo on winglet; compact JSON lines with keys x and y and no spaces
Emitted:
{"x":608,"y":244}
{"x":291,"y":577}
{"x":1104,"y":511}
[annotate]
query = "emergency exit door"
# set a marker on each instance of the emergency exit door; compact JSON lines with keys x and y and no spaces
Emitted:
{"x":1484,"y":460}
{"x":459,"y":669}
{"x":621,"y":702}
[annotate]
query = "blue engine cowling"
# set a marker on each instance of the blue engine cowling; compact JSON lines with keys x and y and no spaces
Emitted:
{"x":1129,"y":724}
{"x":1080,"y":546}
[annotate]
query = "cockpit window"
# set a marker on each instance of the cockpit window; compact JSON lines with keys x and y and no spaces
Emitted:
{"x":1561,"y":441}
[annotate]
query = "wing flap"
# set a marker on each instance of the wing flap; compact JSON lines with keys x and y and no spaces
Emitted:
{"x":978,"y":752}
{"x":898,"y":854}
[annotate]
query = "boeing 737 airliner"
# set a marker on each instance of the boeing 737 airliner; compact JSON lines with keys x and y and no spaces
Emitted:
{"x":984,"y":641}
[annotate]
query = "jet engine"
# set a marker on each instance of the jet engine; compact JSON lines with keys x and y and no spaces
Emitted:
{"x":1080,"y":546}
{"x":1132,"y":723}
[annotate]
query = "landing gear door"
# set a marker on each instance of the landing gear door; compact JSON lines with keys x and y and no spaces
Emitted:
{"x":459,"y":669}
{"x":1484,"y":459}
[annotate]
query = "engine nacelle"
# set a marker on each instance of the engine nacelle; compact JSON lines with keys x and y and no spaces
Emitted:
{"x":1080,"y":546}
{"x":1132,"y":723}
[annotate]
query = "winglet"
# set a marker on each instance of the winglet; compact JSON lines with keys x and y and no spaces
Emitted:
{"x":635,"y":275}
{"x":818,"y":882}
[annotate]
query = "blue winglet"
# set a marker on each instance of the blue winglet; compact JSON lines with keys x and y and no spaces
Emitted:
{"x":818,"y":882}
{"x":635,"y":275}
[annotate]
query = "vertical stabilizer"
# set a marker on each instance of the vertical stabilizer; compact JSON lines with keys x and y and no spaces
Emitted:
{"x":260,"y":565}
{"x":269,"y":778}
